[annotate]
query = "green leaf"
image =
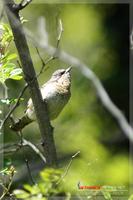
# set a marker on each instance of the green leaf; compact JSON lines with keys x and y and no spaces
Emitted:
{"x":10,"y":56}
{"x":3,"y":171}
{"x":9,"y":101}
{"x":16,"y":71}
{"x":21,"y":194}
{"x":28,"y":188}
{"x":17,"y":77}
{"x":15,"y":74}
{"x":8,"y":65}
{"x":5,"y":101}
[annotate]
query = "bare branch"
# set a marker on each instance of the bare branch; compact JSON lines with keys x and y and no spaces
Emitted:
{"x":10,"y":148}
{"x":60,"y":31}
{"x":22,"y":5}
{"x":34,"y":148}
{"x":68,"y":167}
{"x":44,"y":63}
{"x":2,"y":14}
{"x":88,"y":73}
{"x":29,"y":171}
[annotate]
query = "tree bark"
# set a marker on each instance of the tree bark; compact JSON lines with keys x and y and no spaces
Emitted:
{"x":30,"y":77}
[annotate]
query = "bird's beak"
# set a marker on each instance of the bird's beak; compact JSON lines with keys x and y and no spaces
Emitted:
{"x":68,"y":69}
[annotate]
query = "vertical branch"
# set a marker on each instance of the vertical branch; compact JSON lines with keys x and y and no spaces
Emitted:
{"x":30,"y":77}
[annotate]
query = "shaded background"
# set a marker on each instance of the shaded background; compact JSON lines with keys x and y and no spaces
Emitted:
{"x":98,"y":35}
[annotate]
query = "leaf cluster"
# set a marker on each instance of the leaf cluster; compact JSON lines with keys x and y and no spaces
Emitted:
{"x":8,"y":70}
{"x":45,"y":188}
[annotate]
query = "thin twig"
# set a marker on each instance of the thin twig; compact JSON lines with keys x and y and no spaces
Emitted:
{"x":60,"y":31}
{"x":44,"y":63}
{"x":29,"y":171}
{"x":34,"y":148}
{"x":2,"y":13}
{"x":9,"y":149}
{"x":22,"y":4}
{"x":68,"y":167}
{"x":19,"y":64}
{"x":23,"y":142}
{"x":14,"y":106}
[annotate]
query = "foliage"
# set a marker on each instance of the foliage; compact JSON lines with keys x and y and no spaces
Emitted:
{"x":6,"y":178}
{"x":10,"y":101}
{"x":46,"y":187}
{"x":5,"y":37}
{"x":8,"y":70}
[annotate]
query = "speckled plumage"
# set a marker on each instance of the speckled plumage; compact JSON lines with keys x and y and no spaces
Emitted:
{"x":55,"y":92}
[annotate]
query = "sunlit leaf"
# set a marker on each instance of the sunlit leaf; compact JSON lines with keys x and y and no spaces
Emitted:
{"x":21,"y":194}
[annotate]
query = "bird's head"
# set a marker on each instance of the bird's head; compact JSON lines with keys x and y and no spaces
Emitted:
{"x":62,"y":76}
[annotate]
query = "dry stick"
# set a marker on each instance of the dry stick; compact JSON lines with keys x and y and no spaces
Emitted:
{"x":68,"y":167}
{"x":29,"y":73}
{"x":89,"y":74}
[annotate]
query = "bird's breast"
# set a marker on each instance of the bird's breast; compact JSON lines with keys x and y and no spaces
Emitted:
{"x":56,"y":98}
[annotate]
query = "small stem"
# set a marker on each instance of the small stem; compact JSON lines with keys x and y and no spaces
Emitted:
{"x":68,"y":167}
{"x":29,"y":171}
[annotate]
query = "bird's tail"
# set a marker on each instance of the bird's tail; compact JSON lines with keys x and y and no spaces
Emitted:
{"x":21,"y":123}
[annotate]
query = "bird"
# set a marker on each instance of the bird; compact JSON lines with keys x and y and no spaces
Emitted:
{"x":55,"y":93}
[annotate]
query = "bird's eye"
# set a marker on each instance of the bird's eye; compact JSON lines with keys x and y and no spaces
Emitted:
{"x":62,"y":72}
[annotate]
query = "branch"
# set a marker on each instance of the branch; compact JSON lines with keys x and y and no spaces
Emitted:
{"x":68,"y":167}
{"x":60,"y":31}
{"x":21,"y":5}
{"x":34,"y":148}
{"x":44,"y":63}
{"x":89,"y":74}
{"x":10,"y":148}
{"x":30,"y":77}
{"x":2,"y":14}
{"x":29,"y":171}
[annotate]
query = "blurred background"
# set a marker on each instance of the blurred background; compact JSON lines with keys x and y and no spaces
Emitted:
{"x":98,"y":35}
